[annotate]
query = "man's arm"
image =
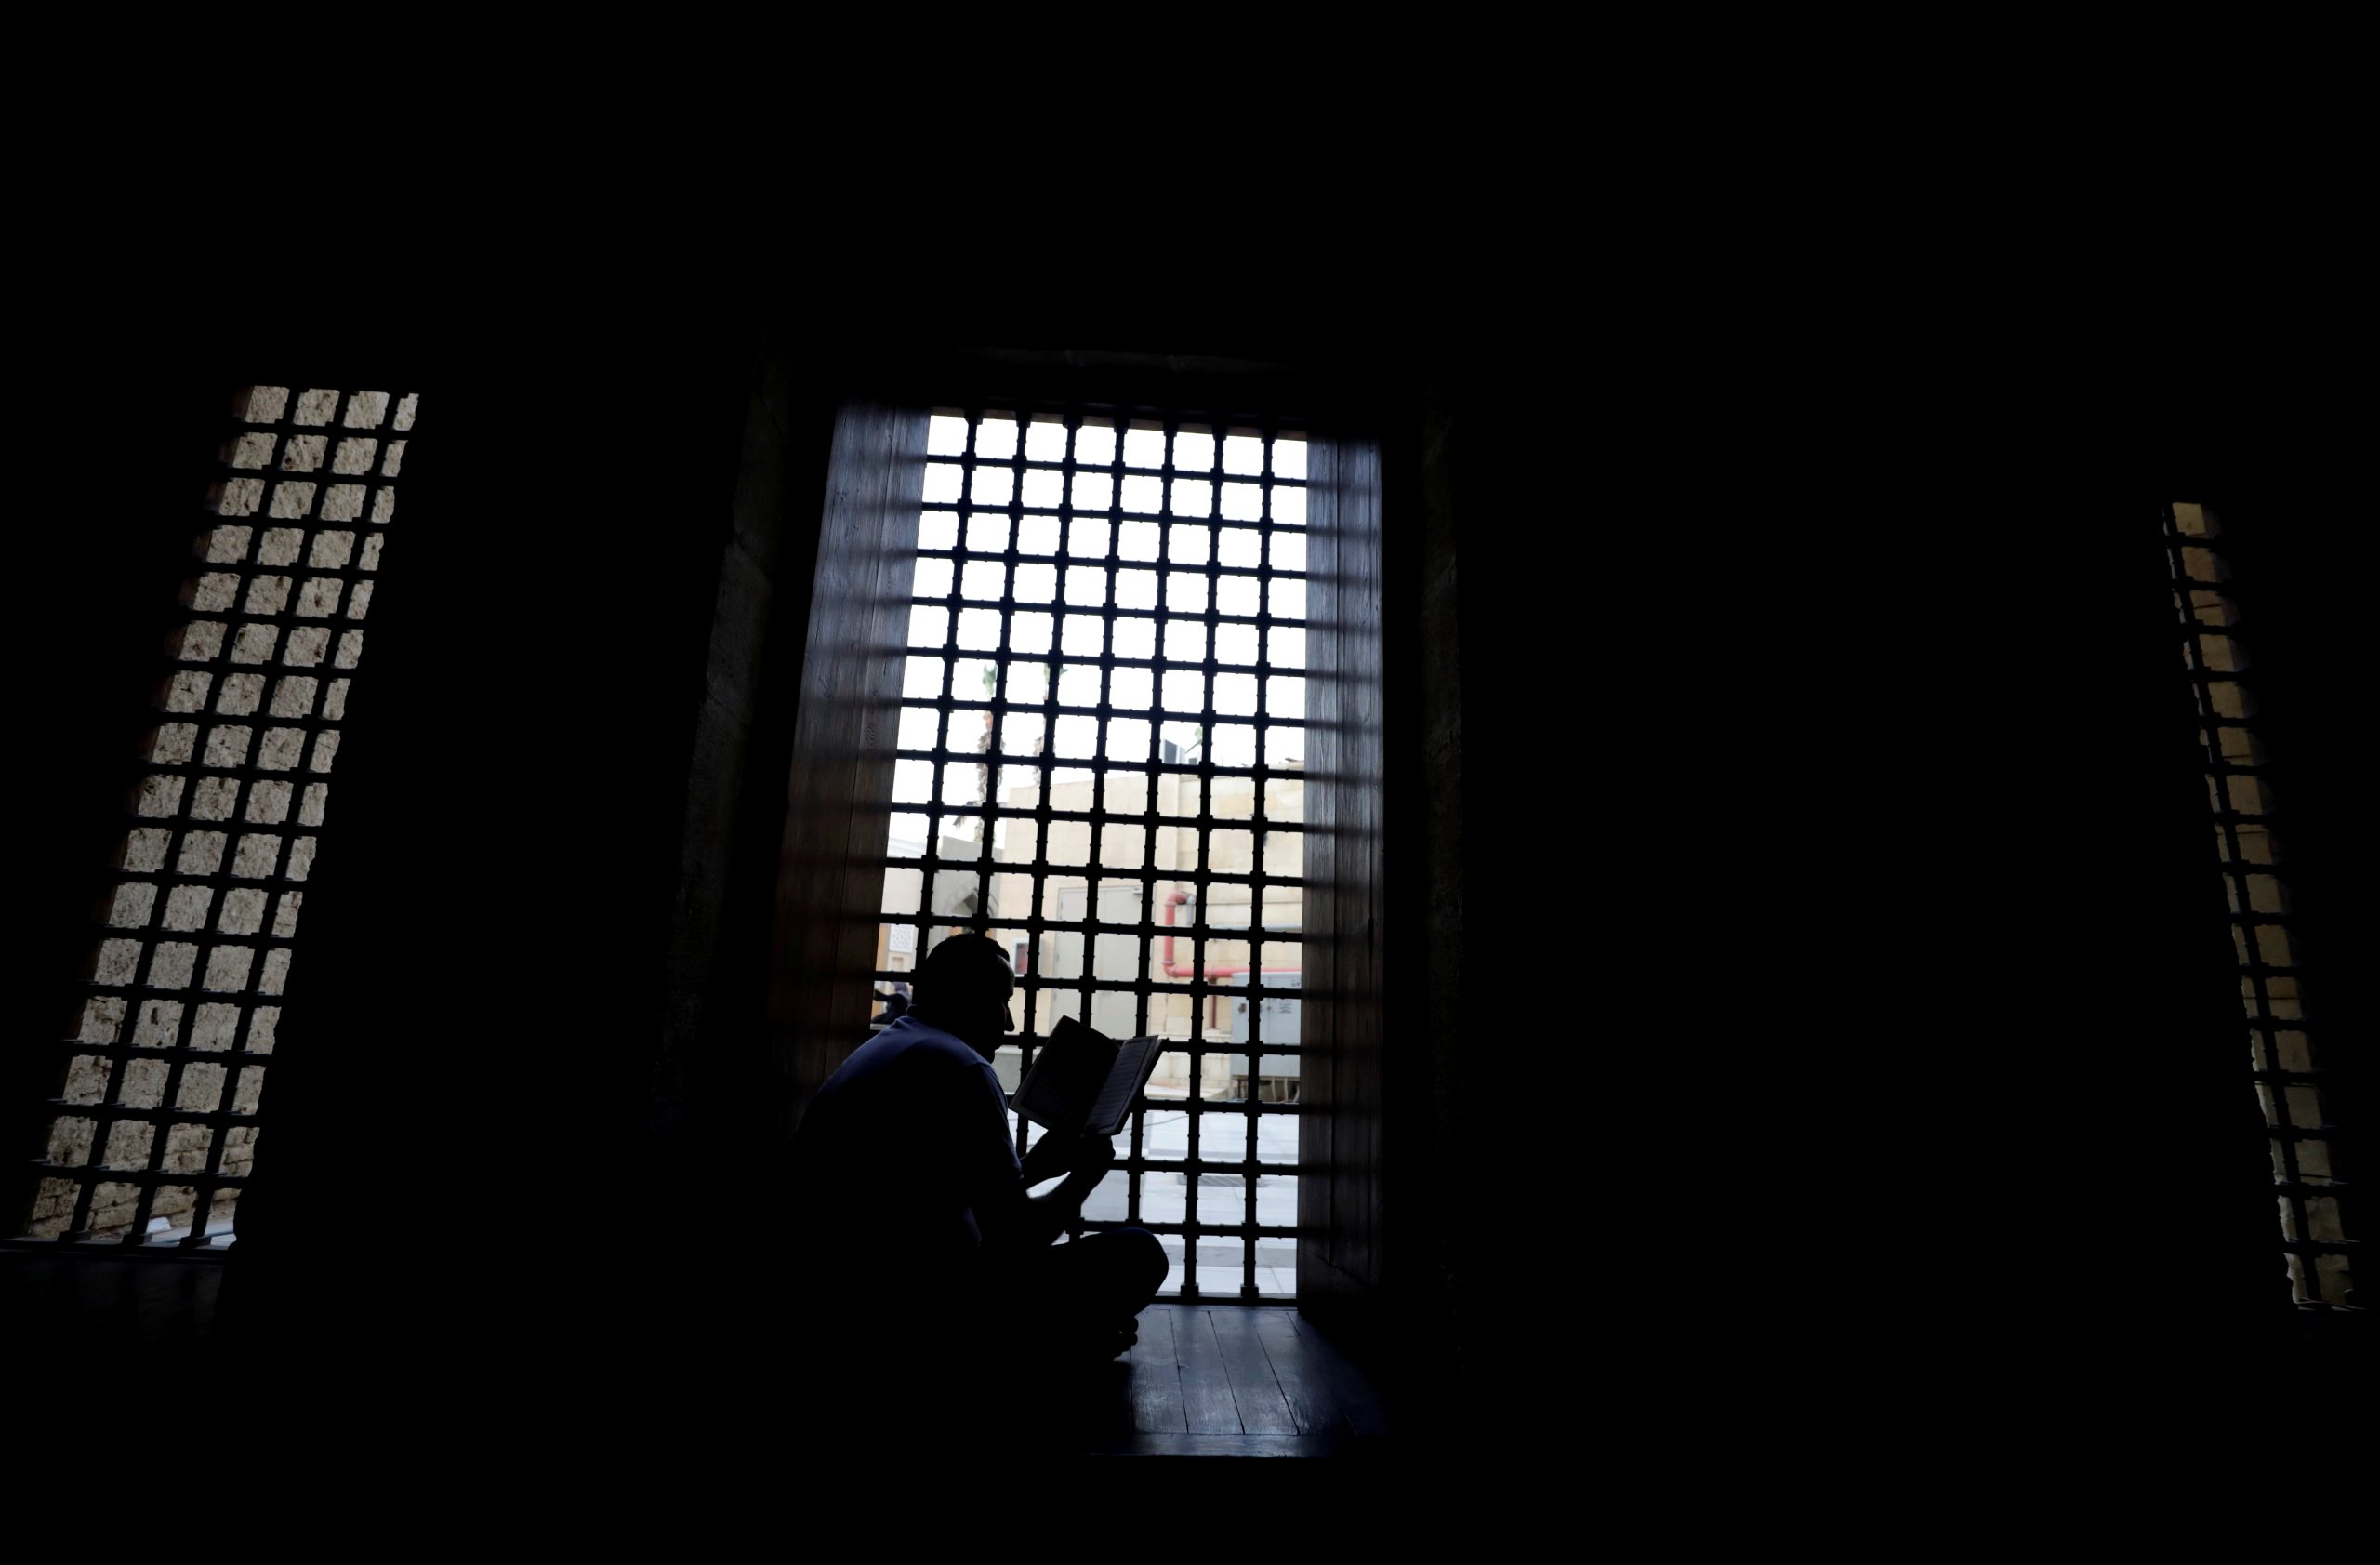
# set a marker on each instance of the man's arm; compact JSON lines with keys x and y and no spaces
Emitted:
{"x":1084,"y":1159}
{"x":1013,"y":1220}
{"x":1009,"y":1218}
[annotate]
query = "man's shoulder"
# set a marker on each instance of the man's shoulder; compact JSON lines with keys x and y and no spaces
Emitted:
{"x":910,"y":1048}
{"x":909,"y":1038}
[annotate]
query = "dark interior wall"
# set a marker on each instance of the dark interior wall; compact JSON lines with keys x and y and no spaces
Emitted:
{"x":1424,"y":659}
{"x":713,"y":1086}
{"x":764,"y":581}
{"x":479,"y":1018}
{"x":836,"y":804}
{"x":1858,"y":1025}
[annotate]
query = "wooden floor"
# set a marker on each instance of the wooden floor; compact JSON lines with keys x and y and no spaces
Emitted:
{"x":1231,"y":1380}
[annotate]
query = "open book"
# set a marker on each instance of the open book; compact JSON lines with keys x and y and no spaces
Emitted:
{"x":1082,"y":1082}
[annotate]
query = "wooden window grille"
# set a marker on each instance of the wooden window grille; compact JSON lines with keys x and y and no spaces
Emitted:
{"x":2285,"y":1061}
{"x":160,"y":1097}
{"x":1101,"y":763}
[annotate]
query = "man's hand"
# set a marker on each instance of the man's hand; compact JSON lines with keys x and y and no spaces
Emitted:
{"x":1028,"y":1221}
{"x":1087,"y":1157}
{"x":1094,"y":1155}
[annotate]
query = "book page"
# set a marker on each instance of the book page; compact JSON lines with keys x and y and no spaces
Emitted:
{"x":1068,"y":1076}
{"x":1135,"y":1062}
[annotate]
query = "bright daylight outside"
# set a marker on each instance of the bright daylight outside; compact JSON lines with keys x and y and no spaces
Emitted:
{"x":1102,"y":742}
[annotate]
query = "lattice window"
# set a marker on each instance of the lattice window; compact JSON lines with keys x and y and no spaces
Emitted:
{"x":1100,"y":765}
{"x":2283,"y":1056}
{"x":157,"y":1118}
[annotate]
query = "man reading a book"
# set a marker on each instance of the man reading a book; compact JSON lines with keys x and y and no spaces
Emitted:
{"x":907,"y":1175}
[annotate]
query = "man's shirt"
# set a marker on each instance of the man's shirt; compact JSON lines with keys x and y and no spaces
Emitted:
{"x":902,"y":1150}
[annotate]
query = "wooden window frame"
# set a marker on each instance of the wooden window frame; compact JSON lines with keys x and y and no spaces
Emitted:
{"x":828,"y":883}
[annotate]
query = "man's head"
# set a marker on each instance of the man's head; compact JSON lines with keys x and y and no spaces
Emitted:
{"x":963,"y":987}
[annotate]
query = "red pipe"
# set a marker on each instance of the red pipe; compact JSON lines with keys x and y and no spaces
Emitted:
{"x":1172,"y":970}
{"x":1176,"y":900}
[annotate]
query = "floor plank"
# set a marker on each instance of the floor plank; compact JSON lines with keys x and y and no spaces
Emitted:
{"x":1207,"y":1406}
{"x":1367,"y":1414}
{"x":1263,"y":1408}
{"x":1314,"y":1407}
{"x":1158,"y":1405}
{"x":1228,"y":1446}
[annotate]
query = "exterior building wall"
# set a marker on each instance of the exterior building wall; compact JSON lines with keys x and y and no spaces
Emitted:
{"x":1124,"y":958}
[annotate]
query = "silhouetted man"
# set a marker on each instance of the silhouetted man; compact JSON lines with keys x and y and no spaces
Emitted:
{"x":914,"y":1206}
